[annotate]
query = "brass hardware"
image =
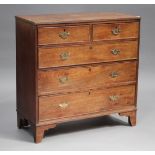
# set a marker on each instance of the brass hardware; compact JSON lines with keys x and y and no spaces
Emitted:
{"x":115,"y":51}
{"x":116,"y":31}
{"x":64,"y":55}
{"x":64,"y":34}
{"x":113,"y":98}
{"x":63,"y":79}
{"x":114,"y":74}
{"x":63,"y":105}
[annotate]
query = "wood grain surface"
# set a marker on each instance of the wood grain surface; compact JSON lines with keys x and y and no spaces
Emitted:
{"x":104,"y":31}
{"x":50,"y":35}
{"x":84,"y":103}
{"x":25,"y":70}
{"x":84,"y":77}
{"x":76,"y":17}
{"x":86,"y":54}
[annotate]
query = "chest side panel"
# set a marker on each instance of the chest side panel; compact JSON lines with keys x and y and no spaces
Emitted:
{"x":25,"y":70}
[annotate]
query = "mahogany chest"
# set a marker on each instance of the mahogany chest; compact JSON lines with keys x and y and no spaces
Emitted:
{"x":75,"y":66}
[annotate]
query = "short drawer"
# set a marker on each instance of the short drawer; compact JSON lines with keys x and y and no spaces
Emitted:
{"x":74,"y":55}
{"x":115,"y":31}
{"x":61,"y":106}
{"x":67,"y":34}
{"x":70,"y":79}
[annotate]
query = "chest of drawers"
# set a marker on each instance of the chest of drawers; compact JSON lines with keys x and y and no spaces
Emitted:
{"x":75,"y":66}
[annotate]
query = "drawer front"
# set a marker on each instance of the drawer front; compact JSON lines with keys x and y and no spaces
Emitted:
{"x":77,"y":78}
{"x":68,"y":34}
{"x":60,"y":106}
{"x":115,"y":31}
{"x":65,"y":56}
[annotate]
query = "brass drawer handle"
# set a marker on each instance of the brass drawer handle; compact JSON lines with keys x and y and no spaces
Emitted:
{"x":63,"y":105}
{"x":64,"y":34}
{"x":64,"y":55}
{"x":116,"y":31}
{"x":115,"y":51}
{"x":63,"y":79}
{"x":114,"y":74}
{"x":113,"y":98}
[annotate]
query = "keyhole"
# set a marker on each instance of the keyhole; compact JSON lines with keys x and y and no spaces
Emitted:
{"x":89,"y":92}
{"x":90,"y":47}
{"x":89,"y":69}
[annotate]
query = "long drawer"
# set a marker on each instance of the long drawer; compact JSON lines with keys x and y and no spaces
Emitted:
{"x":60,"y":106}
{"x":113,"y":31}
{"x":84,"y":54}
{"x":70,"y":79}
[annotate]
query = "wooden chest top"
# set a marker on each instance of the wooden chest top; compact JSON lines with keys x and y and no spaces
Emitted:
{"x":76,"y":17}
